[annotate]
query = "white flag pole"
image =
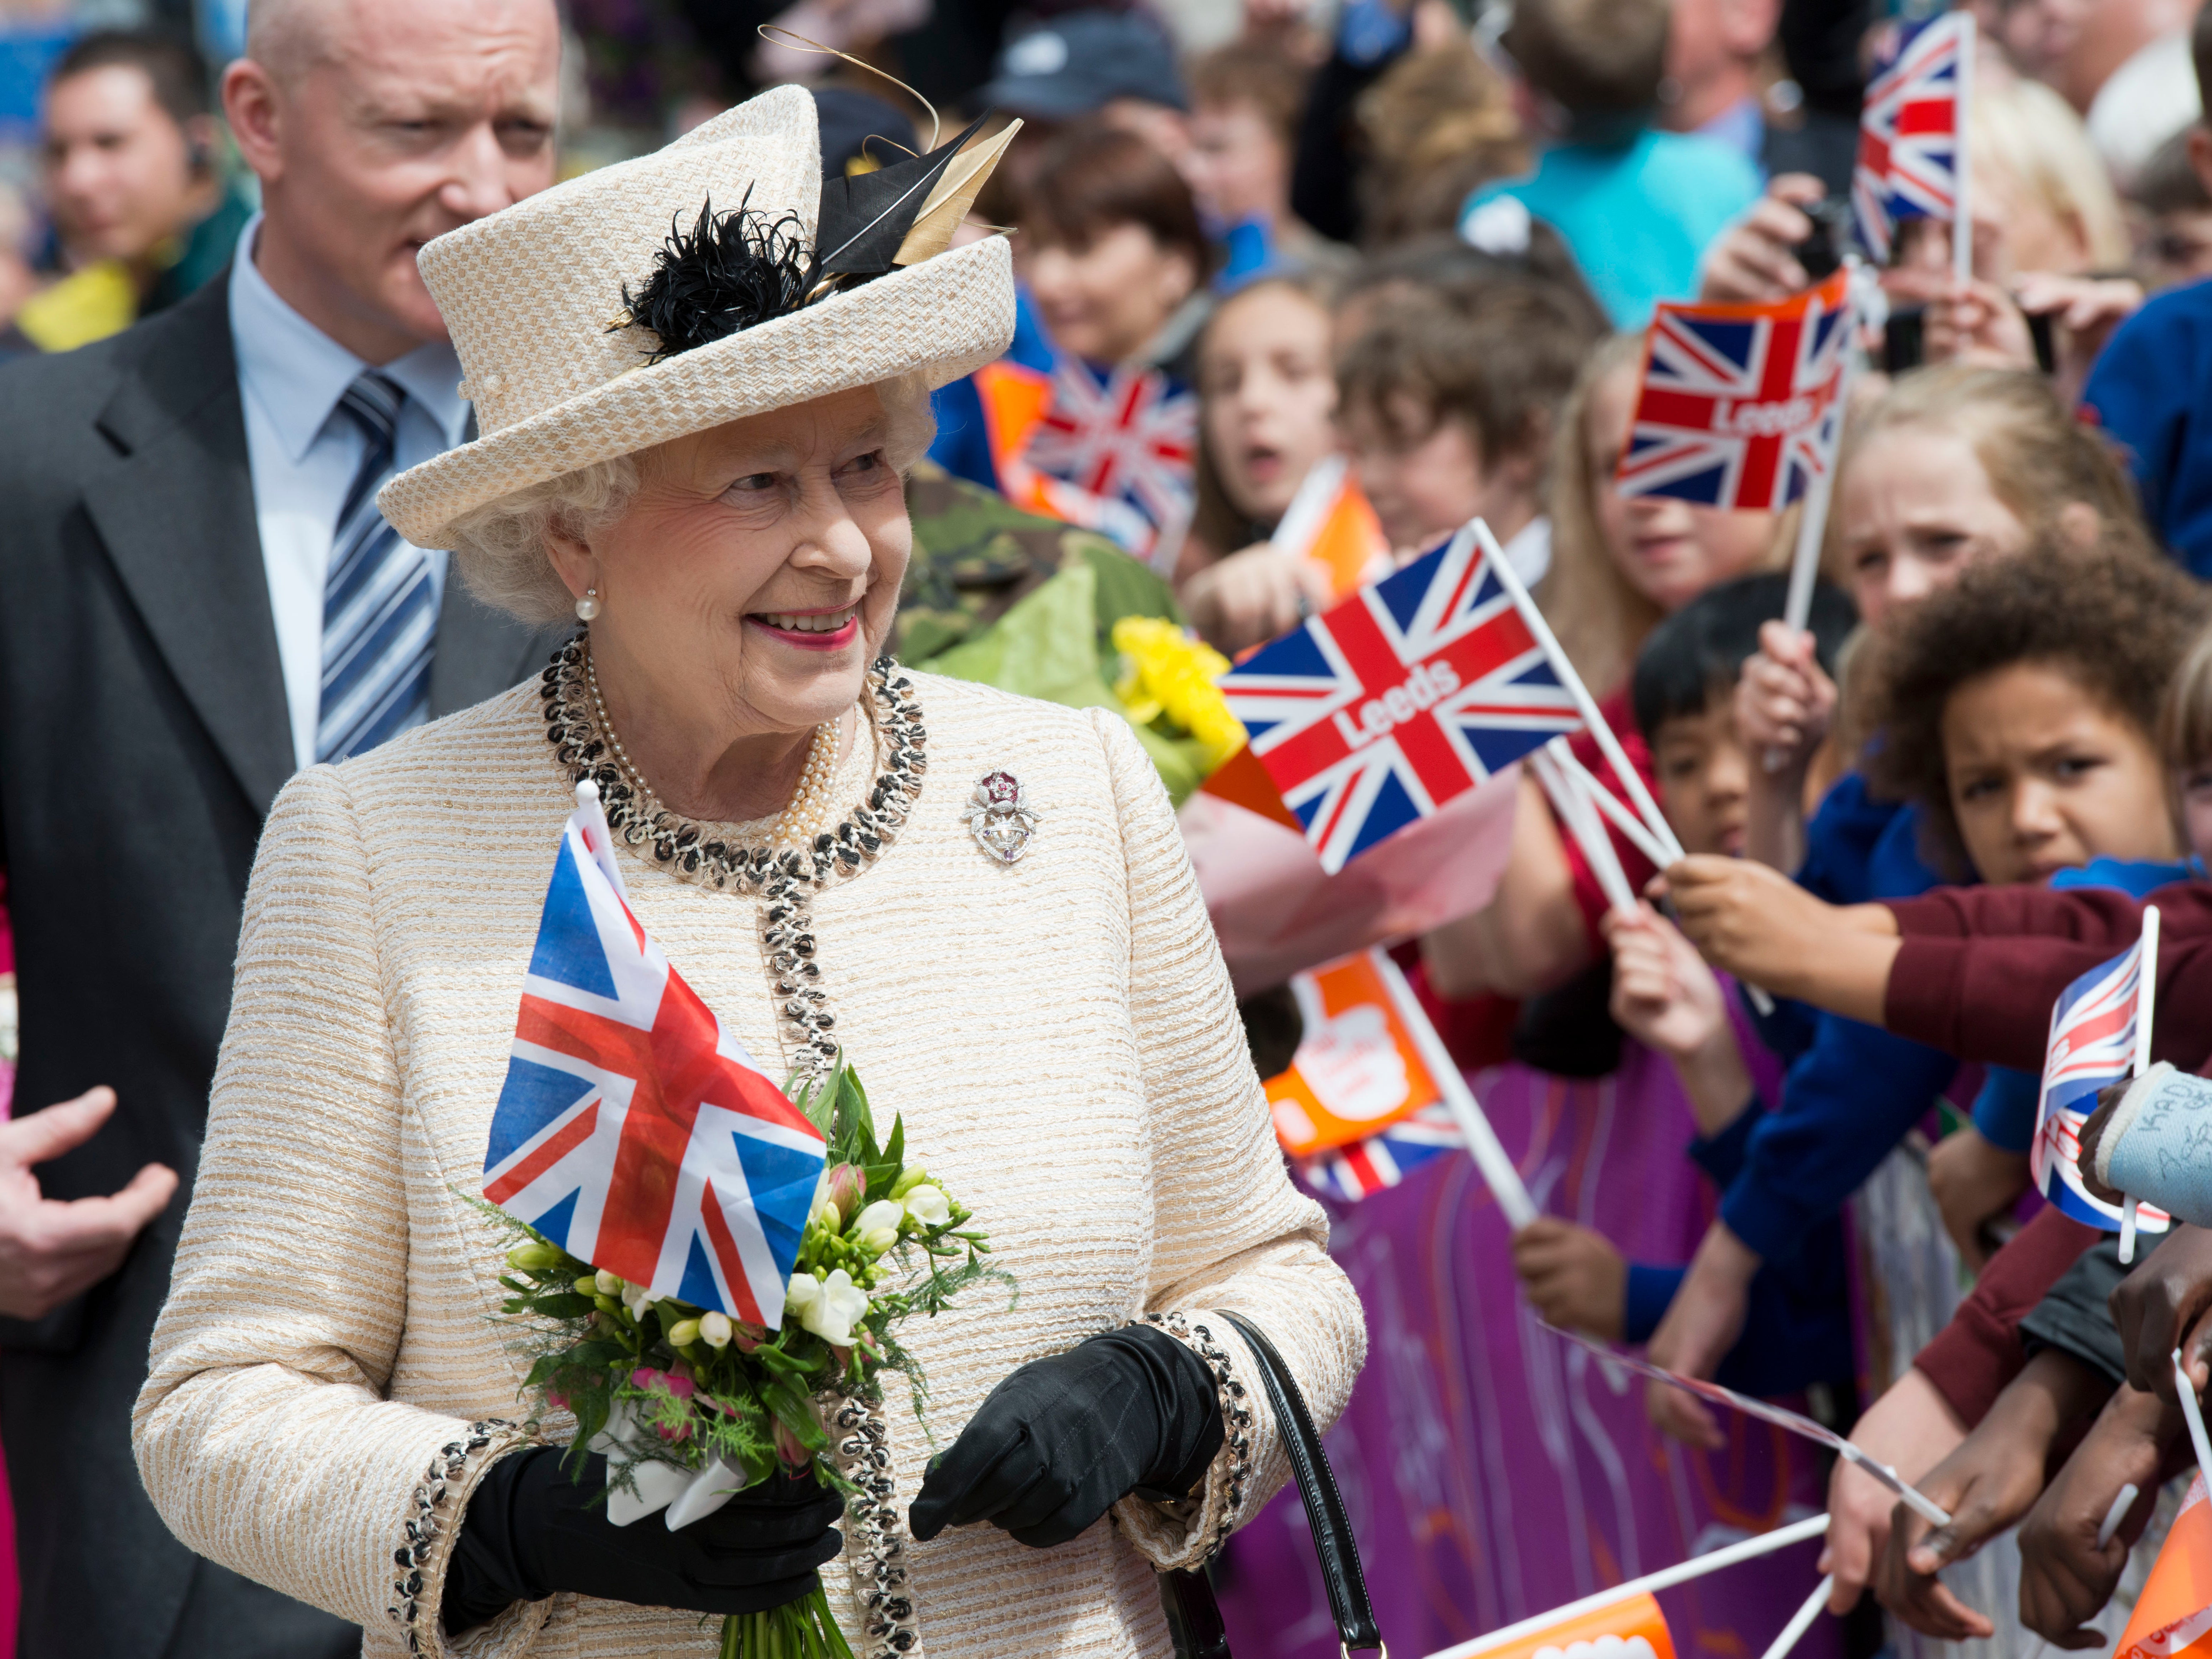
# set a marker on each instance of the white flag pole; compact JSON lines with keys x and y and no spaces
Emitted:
{"x":1801,"y":1620}
{"x":1962,"y":222}
{"x":1573,"y":808}
{"x":2146,"y":1001}
{"x":1813,"y":525}
{"x":1497,"y":1168}
{"x":1606,"y":802}
{"x":1299,"y":528}
{"x":1746,"y":1549}
{"x":1585,"y":704}
{"x":2186,"y":1391}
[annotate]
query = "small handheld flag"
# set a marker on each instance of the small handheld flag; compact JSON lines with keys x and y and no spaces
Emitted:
{"x":1358,"y":1070}
{"x":632,"y":1130}
{"x":1633,"y":1629}
{"x":1398,"y":699}
{"x":2100,"y":1025}
{"x":1740,"y":407}
{"x":2173,"y":1615}
{"x":1913,"y":152}
{"x":1507,"y":1641}
{"x":1330,"y":526}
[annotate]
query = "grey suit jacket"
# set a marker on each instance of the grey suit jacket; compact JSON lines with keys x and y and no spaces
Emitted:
{"x":143,"y":733}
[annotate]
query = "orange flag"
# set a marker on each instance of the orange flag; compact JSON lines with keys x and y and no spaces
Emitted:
{"x":1357,"y":1070}
{"x":2173,"y":1615}
{"x":1634,"y":1629}
{"x":1349,"y":547}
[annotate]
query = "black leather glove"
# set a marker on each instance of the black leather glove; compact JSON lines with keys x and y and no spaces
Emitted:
{"x":1063,"y":1440}
{"x":529,"y":1531}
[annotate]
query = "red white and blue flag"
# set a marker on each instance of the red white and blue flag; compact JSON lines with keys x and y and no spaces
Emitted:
{"x":1399,"y":698}
{"x":1127,"y":440}
{"x":2092,"y":1043}
{"x":632,"y":1130}
{"x":1350,"y":1173}
{"x":1740,"y":405}
{"x":1911,"y":131}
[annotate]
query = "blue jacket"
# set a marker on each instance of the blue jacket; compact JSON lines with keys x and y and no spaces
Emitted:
{"x":2151,"y":389}
{"x":1853,"y":1090}
{"x":1797,"y":1330}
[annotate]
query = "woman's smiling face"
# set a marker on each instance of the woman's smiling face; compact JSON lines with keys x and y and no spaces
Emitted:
{"x":756,"y":572}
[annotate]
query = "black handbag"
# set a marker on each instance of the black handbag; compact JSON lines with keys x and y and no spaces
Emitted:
{"x":1194,"y":1616}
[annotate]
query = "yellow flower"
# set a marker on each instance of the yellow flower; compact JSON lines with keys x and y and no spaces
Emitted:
{"x":1167,"y":670}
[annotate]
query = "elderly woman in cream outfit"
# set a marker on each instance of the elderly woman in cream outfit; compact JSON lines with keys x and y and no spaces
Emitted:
{"x":326,"y":1409}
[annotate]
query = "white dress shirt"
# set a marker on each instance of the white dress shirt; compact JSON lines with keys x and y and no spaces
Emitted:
{"x":304,"y":451}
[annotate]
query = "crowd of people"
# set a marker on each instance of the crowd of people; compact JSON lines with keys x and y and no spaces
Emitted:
{"x":1296,"y":291}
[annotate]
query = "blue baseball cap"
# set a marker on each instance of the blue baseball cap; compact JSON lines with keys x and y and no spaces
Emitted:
{"x":1074,"y":65}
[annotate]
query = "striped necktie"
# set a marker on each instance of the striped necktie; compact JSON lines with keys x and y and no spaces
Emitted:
{"x":378,"y":610}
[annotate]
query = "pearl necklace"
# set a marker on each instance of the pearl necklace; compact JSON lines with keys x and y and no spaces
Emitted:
{"x":809,"y":800}
{"x":786,"y":875}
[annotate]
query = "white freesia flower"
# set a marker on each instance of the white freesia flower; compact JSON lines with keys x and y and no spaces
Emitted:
{"x":928,"y":1205}
{"x":714,"y":1328}
{"x":609,"y":1284}
{"x":832,"y":1308}
{"x":801,"y":1293}
{"x":880,"y":1214}
{"x":637,"y":1298}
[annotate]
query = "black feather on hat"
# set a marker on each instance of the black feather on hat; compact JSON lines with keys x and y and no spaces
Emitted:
{"x":738,"y":268}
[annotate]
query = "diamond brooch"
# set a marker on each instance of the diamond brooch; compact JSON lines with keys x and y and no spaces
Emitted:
{"x":1000,"y":818}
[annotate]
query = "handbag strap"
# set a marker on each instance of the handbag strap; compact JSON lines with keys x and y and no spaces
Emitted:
{"x":1332,"y":1528}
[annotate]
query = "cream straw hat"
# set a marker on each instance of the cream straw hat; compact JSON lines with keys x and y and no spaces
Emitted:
{"x":529,"y":296}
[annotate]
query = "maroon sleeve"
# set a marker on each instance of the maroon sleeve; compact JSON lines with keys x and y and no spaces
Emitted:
{"x":2085,"y":915}
{"x":1971,"y":1358}
{"x":1989,"y":1000}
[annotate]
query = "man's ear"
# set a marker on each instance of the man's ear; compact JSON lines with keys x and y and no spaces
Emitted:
{"x":253,"y":104}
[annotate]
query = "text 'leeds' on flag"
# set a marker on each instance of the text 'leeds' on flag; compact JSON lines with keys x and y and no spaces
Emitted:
{"x":1397,"y":699}
{"x":632,"y":1130}
{"x":1739,"y":408}
{"x":1911,"y":128}
{"x":2092,"y":1043}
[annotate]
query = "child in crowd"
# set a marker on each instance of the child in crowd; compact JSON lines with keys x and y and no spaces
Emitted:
{"x":2172,"y":216}
{"x":1665,"y":997}
{"x":1955,"y":467}
{"x":2152,"y":386}
{"x":1245,"y":98}
{"x":1447,"y":408}
{"x":1637,"y":205}
{"x":2020,"y":710}
{"x":1116,"y":263}
{"x":1618,"y":566}
{"x":1268,"y":401}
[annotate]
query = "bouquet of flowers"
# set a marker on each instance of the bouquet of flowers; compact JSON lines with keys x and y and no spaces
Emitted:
{"x":690,"y":1404}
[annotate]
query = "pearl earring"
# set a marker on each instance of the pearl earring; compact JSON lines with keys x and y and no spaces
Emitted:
{"x":588,"y":607}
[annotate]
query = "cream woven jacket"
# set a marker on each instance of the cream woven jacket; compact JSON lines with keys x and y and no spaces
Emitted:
{"x":1059,"y":1035}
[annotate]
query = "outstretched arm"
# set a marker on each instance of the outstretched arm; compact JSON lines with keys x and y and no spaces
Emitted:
{"x":1764,"y":928}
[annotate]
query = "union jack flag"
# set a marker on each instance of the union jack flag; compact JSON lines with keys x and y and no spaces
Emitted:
{"x":1739,"y":406}
{"x":632,"y":1130}
{"x":1400,"y":697}
{"x":2092,"y":1043}
{"x":1128,"y":439}
{"x":1911,"y":132}
{"x":1350,"y":1173}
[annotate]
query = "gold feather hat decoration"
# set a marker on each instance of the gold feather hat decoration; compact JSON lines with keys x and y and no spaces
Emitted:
{"x":803,"y":288}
